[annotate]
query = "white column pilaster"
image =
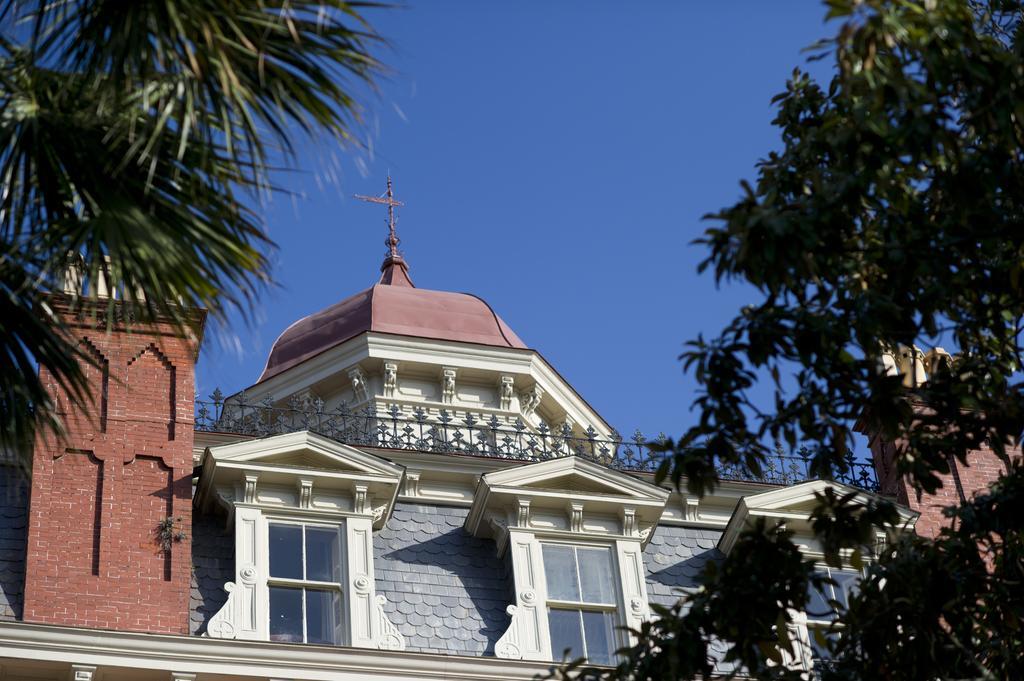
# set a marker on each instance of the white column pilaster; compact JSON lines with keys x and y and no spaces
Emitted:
{"x":251,"y":596}
{"x":361,"y":589}
{"x":633,"y":582}
{"x":528,"y":633}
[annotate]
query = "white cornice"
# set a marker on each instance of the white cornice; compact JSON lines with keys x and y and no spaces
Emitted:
{"x":266,"y":460}
{"x":791,"y":504}
{"x":246,"y":659}
{"x":390,"y":347}
{"x":311,"y":371}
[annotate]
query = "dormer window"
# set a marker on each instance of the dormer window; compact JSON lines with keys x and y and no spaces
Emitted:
{"x":304,"y":509}
{"x":305,"y":583}
{"x":823,"y":608}
{"x":811,"y":629}
{"x":582,"y":601}
{"x":575,"y":531}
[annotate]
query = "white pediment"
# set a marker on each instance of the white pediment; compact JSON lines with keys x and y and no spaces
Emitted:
{"x":302,"y":471}
{"x":575,"y":476}
{"x":304,"y":449}
{"x":794,"y":505}
{"x":569,"y":496}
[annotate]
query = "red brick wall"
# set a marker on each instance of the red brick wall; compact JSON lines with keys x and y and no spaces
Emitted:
{"x":94,"y":555}
{"x":982,"y":469}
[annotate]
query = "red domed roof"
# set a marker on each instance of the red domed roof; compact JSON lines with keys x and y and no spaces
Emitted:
{"x":392,"y":305}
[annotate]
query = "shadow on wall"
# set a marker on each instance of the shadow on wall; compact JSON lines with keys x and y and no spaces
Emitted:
{"x":446,"y":591}
{"x":674,"y":560}
{"x":14,"y":493}
{"x":213,"y":564}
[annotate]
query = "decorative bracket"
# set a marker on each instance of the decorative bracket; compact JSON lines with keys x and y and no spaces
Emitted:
{"x":390,"y":378}
{"x":506,"y":390}
{"x":575,"y":510}
{"x":222,"y":624}
{"x":529,"y":401}
{"x":359,"y":393}
{"x":522,"y":512}
{"x":508,"y":646}
{"x":692,"y":509}
{"x":249,"y":494}
{"x":629,"y":527}
{"x":390,"y":637}
{"x":361,"y":502}
{"x":448,"y":375}
{"x":412,"y":484}
{"x":305,"y":493}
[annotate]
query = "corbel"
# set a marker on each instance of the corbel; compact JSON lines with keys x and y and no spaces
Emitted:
{"x":629,"y":527}
{"x":691,"y":510}
{"x":522,"y":512}
{"x":358,"y":378}
{"x":448,"y":375}
{"x":360,"y":502}
{"x":575,"y":511}
{"x":506,"y":391}
{"x":411,"y":487}
{"x":390,"y":378}
{"x":305,"y":492}
{"x":249,"y":491}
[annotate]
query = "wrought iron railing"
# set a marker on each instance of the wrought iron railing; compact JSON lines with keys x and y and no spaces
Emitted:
{"x":463,"y":433}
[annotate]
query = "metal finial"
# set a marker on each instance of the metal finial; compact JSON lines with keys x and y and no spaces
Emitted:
{"x":388,"y":199}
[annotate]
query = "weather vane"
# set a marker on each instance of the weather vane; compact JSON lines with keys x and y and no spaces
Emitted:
{"x":388,"y":199}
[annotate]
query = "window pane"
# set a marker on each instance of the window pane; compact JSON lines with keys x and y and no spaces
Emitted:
{"x":323,"y":617}
{"x":821,"y":640}
{"x":322,"y":554}
{"x":560,"y":570}
{"x":285,"y":551}
{"x":285,"y":614}
{"x":599,"y":631}
{"x":846,"y":585}
{"x":817,"y":601}
{"x":596,"y":575}
{"x":565,"y":634}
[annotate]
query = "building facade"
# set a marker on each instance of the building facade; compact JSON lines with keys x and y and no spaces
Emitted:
{"x":408,"y":492}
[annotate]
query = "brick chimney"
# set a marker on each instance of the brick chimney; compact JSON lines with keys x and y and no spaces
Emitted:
{"x":95,"y":554}
{"x":982,"y":468}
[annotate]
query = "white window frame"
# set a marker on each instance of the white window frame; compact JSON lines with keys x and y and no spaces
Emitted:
{"x":529,"y":636}
{"x":306,"y":584}
{"x":807,"y":623}
{"x":565,"y":500}
{"x":615,"y":607}
{"x":361,"y":611}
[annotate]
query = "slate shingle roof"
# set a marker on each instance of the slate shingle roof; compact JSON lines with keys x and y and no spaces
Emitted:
{"x":213,"y":564}
{"x":446,"y":590}
{"x":674,"y":558}
{"x":13,"y":528}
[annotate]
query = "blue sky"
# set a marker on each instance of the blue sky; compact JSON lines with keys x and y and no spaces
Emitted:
{"x":556,"y":159}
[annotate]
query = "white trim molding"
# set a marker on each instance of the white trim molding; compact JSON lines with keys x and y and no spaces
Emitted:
{"x":257,"y":660}
{"x":793,"y":505}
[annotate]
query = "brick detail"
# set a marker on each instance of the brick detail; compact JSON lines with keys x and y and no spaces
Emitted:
{"x":94,"y":557}
{"x":983,"y":467}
